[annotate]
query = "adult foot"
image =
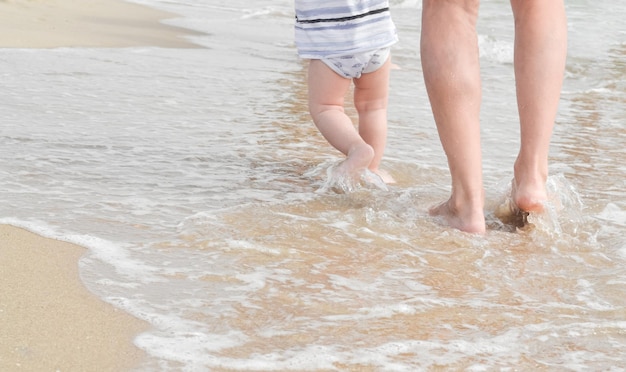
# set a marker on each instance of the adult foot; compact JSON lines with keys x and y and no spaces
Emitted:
{"x":525,"y":197}
{"x":510,"y":214}
{"x":470,"y":219}
{"x":529,"y":196}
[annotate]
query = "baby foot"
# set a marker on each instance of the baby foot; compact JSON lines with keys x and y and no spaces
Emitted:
{"x":386,"y":177}
{"x":359,"y":158}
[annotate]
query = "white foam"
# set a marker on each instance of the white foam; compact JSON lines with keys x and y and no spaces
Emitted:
{"x":614,"y":214}
{"x":156,"y":159}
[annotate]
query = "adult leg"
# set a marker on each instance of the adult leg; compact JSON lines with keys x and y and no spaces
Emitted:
{"x":540,"y":53}
{"x":371,"y":93}
{"x":450,"y":61}
{"x":326,"y":105}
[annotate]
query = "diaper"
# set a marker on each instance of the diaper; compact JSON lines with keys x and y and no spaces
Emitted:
{"x":352,"y":66}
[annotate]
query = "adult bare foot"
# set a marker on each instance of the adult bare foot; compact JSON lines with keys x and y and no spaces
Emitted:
{"x":470,"y":219}
{"x":525,"y":198}
{"x":529,"y":196}
{"x":510,"y":214}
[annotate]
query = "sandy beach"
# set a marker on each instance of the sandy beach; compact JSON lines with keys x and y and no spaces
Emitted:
{"x":86,"y":23}
{"x":49,"y":320}
{"x":199,"y":197}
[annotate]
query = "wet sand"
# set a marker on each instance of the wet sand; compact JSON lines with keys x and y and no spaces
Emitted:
{"x":48,"y":319}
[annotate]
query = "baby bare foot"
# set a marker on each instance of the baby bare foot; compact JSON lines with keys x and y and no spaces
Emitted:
{"x":359,"y":158}
{"x":470,"y":220}
{"x":386,"y":177}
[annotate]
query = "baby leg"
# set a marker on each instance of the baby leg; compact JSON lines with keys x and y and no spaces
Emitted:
{"x":326,"y":105}
{"x":370,"y":99}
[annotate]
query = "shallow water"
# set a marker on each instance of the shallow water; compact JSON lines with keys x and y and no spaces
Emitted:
{"x":197,"y":182}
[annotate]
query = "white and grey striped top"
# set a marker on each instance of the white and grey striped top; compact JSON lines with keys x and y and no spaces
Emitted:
{"x":334,"y":28}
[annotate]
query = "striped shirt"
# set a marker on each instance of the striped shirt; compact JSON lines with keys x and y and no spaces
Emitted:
{"x":335,"y":28}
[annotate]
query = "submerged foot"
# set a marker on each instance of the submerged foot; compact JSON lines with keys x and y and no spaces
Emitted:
{"x":386,"y":177}
{"x":529,"y":196}
{"x":359,"y":158}
{"x":471,"y":220}
{"x":510,"y":214}
{"x":525,"y":198}
{"x":347,"y":176}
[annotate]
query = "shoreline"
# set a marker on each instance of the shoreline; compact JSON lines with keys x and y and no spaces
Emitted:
{"x":88,"y":23}
{"x":49,"y":320}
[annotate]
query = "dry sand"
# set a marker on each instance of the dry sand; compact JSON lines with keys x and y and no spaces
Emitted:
{"x":48,"y":320}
